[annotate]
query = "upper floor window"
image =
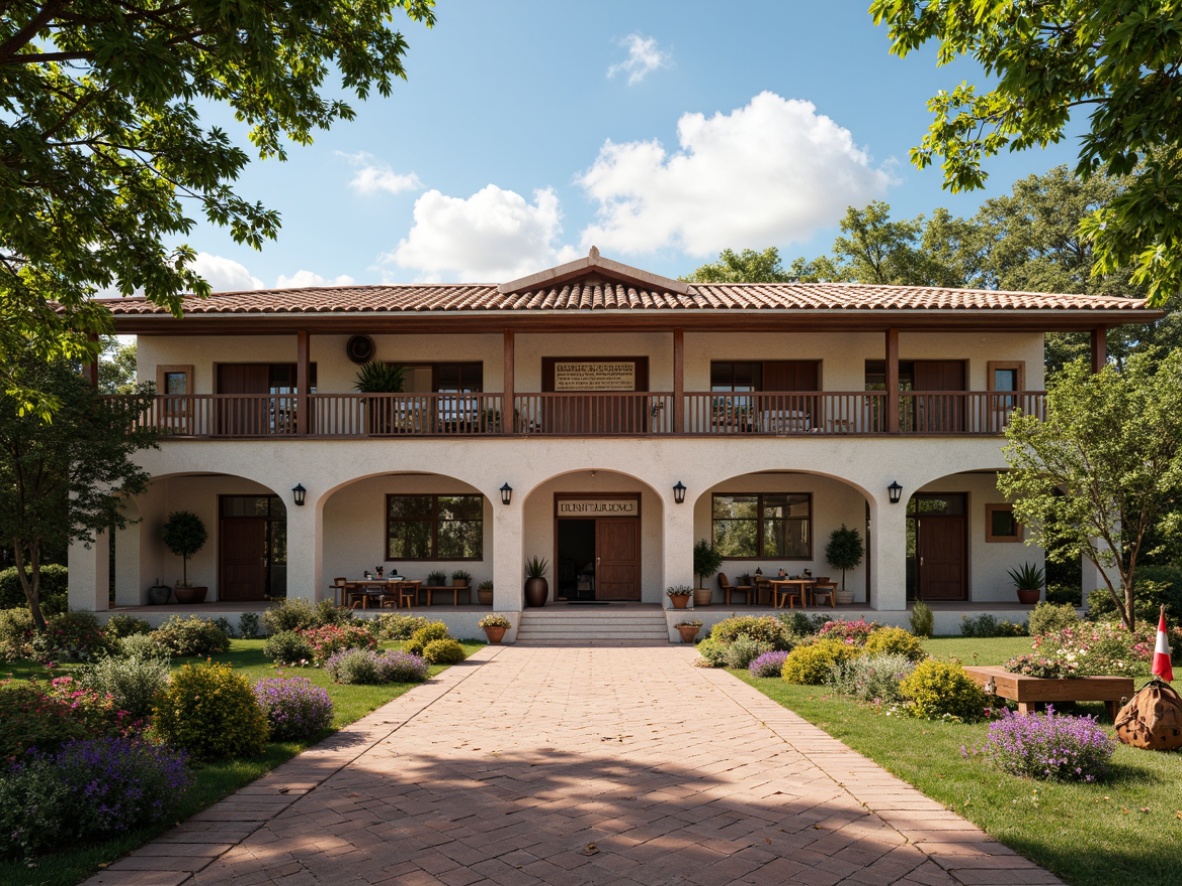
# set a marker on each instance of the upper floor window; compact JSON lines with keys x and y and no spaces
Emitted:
{"x":443,"y":378}
{"x":767,"y":525}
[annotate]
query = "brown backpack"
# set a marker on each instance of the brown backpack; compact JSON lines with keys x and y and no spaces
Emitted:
{"x":1152,"y":718}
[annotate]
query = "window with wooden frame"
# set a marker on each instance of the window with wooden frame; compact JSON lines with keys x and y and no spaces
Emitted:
{"x":434,"y":527}
{"x":176,"y":382}
{"x":1000,"y":525}
{"x":1006,"y":375}
{"x":766,"y":525}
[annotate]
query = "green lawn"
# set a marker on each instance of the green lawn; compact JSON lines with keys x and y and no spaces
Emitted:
{"x":213,"y":781}
{"x":1127,"y":830}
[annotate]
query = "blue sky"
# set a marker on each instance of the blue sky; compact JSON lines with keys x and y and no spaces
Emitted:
{"x":661,"y":131}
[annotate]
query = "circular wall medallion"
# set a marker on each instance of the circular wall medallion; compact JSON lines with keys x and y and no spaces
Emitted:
{"x":359,"y":348}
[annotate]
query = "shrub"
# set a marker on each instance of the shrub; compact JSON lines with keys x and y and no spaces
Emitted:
{"x":939,"y":689}
{"x":923,"y":621}
{"x":1048,"y":617}
{"x":392,"y":626}
{"x":1048,"y":746}
{"x":139,"y":646}
{"x":133,"y":683}
{"x":445,"y":651}
{"x":744,"y":650}
{"x":364,"y":666}
{"x":248,"y":625}
{"x":986,"y":625}
{"x":190,"y":636}
{"x":811,"y":664}
{"x":31,"y":719}
{"x":1063,"y":594}
{"x":89,"y":789}
{"x":1102,"y":648}
{"x":96,"y":711}
{"x":765,"y":629}
{"x":327,"y":639}
{"x":713,"y":653}
{"x":769,"y":664}
{"x":55,"y":584}
{"x":800,"y":624}
{"x":1148,"y":597}
{"x":223,"y":625}
{"x":293,"y":614}
{"x":295,"y":707}
{"x":327,"y":612}
{"x":211,"y":712}
{"x":71,"y":636}
{"x":870,"y":677}
{"x":852,"y":633}
{"x":434,"y":630}
{"x":895,"y":641}
{"x":16,"y":634}
{"x":120,"y":626}
{"x":288,"y":648}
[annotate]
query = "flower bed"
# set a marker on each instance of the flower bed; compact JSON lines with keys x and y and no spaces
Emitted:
{"x":1028,"y":691}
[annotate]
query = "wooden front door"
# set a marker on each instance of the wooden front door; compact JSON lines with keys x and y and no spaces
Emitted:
{"x":934,"y":413}
{"x":243,"y":558}
{"x":940,"y":557}
{"x":242,"y":416}
{"x":617,"y":550}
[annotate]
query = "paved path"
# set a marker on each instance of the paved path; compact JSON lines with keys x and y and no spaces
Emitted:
{"x":577,"y":766}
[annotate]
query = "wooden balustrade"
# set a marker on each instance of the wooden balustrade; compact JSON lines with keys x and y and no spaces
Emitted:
{"x":607,"y":414}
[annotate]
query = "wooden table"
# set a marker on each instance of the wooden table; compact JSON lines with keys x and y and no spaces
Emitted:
{"x":368,"y":587}
{"x":802,"y":583}
{"x":1029,"y":691}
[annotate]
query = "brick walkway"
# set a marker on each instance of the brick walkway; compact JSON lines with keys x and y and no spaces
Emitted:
{"x":577,"y":766}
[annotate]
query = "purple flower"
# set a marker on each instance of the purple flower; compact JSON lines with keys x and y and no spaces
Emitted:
{"x":1049,"y":746}
{"x":770,"y":664}
{"x":295,"y":707}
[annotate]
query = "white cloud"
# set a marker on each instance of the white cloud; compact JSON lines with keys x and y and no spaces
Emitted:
{"x":644,"y":57}
{"x":493,"y":236}
{"x":373,"y":176}
{"x":303,"y":279}
{"x":224,"y":274}
{"x":768,"y":173}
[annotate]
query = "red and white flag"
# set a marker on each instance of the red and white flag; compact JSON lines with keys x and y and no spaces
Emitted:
{"x":1161,"y":652}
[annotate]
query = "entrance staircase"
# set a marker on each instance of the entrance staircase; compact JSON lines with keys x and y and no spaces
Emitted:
{"x":559,"y":625}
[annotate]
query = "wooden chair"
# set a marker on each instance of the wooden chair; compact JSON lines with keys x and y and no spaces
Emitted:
{"x":408,"y":593}
{"x":338,"y":588}
{"x":355,"y":595}
{"x":826,"y":590}
{"x":789,"y":595}
{"x":725,"y":583}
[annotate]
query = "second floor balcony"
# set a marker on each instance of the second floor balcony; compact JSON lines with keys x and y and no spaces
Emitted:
{"x":549,"y":415}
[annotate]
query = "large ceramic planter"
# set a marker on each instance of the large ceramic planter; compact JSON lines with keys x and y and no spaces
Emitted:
{"x":190,"y":594}
{"x":495,"y":634}
{"x":1029,"y":598}
{"x":681,"y":601}
{"x":844,"y":598}
{"x":689,"y":633}
{"x":158,"y":594}
{"x":703,"y":596}
{"x":537,"y":591}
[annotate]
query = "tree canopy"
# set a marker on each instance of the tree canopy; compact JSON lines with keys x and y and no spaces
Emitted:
{"x":104,"y":157}
{"x":1099,"y":476}
{"x":1118,"y":58}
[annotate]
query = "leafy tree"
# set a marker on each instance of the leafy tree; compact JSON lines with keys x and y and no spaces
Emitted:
{"x":102,"y":143}
{"x":1117,"y":57}
{"x":1101,"y":471}
{"x":65,"y":479}
{"x":117,"y":367}
{"x":747,"y":266}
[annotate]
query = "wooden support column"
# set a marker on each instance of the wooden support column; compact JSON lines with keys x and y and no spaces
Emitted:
{"x":508,"y":410}
{"x":679,"y":381}
{"x":1099,"y":348}
{"x":303,"y":375}
{"x":892,"y":381}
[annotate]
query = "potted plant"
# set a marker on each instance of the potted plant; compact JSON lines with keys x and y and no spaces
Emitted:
{"x":379,"y":377}
{"x":707,"y":561}
{"x":436,"y":578}
{"x":843,"y":552}
{"x":484,"y":593}
{"x":537,"y":589}
{"x":461,"y":578}
{"x":184,"y":534}
{"x":494,"y":627}
{"x":688,"y":628}
{"x":679,"y":595}
{"x":1028,"y":582}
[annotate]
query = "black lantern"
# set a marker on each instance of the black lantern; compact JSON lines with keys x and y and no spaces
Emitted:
{"x":298,"y":492}
{"x":679,"y":492}
{"x":895,"y":491}
{"x":506,"y":494}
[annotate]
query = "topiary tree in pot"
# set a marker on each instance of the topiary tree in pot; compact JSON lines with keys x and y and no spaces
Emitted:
{"x":843,"y":552}
{"x":707,"y":561}
{"x":184,"y":534}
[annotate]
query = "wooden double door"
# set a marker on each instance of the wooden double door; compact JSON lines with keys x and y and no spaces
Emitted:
{"x":605,"y":550}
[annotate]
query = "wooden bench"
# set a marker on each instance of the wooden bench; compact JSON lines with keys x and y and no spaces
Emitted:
{"x":1029,"y":691}
{"x":432,"y":590}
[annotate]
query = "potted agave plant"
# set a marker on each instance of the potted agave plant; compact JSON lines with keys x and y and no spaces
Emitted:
{"x":537,"y":589}
{"x":494,"y":627}
{"x":1028,"y":581}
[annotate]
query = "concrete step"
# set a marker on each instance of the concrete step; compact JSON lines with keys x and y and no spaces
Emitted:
{"x":564,"y":627}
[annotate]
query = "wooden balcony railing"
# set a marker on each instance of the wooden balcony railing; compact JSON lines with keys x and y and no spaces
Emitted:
{"x":609,"y":414}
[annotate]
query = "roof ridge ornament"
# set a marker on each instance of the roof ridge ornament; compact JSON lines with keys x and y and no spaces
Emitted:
{"x":593,"y":256}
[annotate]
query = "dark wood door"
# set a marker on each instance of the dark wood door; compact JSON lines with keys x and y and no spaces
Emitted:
{"x":243,"y":558}
{"x":244,"y":416}
{"x":617,"y":550}
{"x":935,"y":413}
{"x":940,"y":553}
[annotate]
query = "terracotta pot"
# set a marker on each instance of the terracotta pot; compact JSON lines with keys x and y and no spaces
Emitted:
{"x":703,"y":596}
{"x":495,"y":634}
{"x":681,"y":601}
{"x":190,"y":594}
{"x":689,"y":633}
{"x":537,"y":591}
{"x":459,"y":582}
{"x":484,"y":597}
{"x":1029,"y":597}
